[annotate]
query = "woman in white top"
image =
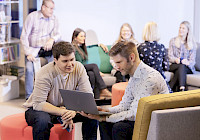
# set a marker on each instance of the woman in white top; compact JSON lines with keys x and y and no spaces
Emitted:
{"x":126,"y":34}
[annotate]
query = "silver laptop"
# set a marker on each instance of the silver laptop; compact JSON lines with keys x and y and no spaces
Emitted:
{"x":80,"y":101}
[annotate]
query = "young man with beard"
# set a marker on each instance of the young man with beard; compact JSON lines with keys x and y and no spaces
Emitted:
{"x":144,"y":81}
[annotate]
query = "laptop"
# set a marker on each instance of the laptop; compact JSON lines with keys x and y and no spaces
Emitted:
{"x":80,"y":101}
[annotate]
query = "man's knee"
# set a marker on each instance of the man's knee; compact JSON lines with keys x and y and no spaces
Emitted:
{"x":94,"y":65}
{"x":116,"y":128}
{"x":91,"y":78}
{"x":38,"y":119}
{"x":29,"y":67}
{"x":44,"y":122}
{"x":122,"y":130}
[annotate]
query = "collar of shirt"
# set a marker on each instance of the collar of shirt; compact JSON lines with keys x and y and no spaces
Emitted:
{"x":137,"y":72}
{"x":64,"y":76}
{"x":41,"y":16}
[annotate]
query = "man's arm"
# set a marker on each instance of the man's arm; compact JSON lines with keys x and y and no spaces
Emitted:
{"x":172,"y":58}
{"x":66,"y":115}
{"x":49,"y":44}
{"x":42,"y":89}
{"x":127,"y":109}
{"x":26,"y":31}
{"x":55,"y":34}
{"x":83,"y":82}
{"x":49,"y":108}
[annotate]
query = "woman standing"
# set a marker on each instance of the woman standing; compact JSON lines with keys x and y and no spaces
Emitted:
{"x":153,"y":53}
{"x":96,"y":81}
{"x":182,"y":54}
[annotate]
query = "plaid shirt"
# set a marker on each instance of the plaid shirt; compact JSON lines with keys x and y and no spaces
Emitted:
{"x":37,"y":30}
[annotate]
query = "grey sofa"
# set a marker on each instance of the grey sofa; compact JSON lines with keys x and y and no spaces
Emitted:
{"x":178,"y":120}
{"x":193,"y":80}
{"x":175,"y":124}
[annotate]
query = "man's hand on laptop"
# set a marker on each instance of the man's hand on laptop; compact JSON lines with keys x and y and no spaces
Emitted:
{"x":102,"y":109}
{"x":95,"y":117}
{"x":90,"y":116}
{"x":67,"y":115}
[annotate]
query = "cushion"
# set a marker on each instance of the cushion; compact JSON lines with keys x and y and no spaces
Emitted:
{"x":109,"y":79}
{"x":15,"y":127}
{"x":175,"y":124}
{"x":91,"y":38}
{"x":157,"y":102}
{"x":169,"y":75}
{"x":193,"y":79}
{"x":98,"y":56}
{"x":197,"y":65}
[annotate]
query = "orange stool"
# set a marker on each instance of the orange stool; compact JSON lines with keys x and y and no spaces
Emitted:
{"x":14,"y":127}
{"x":118,"y":90}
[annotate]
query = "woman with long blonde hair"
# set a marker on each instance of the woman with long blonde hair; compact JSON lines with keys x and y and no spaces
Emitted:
{"x":126,"y":34}
{"x":182,"y":54}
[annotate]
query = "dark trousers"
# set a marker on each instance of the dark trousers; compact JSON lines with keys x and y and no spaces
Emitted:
{"x":122,"y":130}
{"x":95,"y":78}
{"x":42,"y":122}
{"x":120,"y":77}
{"x":180,"y":71}
{"x":43,"y":53}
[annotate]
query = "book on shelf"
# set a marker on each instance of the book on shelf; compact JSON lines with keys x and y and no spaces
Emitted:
{"x":19,"y":75}
{"x":4,"y":56}
{"x":16,"y":50}
{"x":12,"y":53}
{"x":16,"y":69}
{"x":9,"y":53}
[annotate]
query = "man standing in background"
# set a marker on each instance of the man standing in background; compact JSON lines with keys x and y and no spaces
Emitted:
{"x":39,"y":33}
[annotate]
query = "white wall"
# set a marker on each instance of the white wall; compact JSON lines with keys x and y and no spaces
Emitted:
{"x":106,"y":16}
{"x":197,"y":20}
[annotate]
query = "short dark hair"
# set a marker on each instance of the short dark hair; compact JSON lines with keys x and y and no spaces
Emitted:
{"x":62,"y":48}
{"x":124,"y":48}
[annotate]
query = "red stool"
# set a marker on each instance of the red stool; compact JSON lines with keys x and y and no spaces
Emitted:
{"x":14,"y":127}
{"x":118,"y":90}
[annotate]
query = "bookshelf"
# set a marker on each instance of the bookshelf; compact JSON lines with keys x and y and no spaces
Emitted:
{"x":9,"y":49}
{"x":9,"y":46}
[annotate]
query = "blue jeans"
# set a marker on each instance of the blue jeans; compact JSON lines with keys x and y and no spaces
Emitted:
{"x":29,"y":75}
{"x":42,"y":123}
